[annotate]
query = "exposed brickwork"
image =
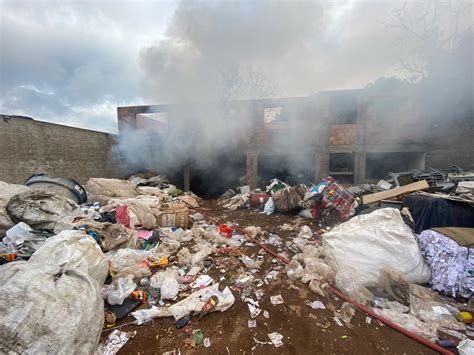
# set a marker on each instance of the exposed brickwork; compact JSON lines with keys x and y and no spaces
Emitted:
{"x":28,"y":147}
{"x":343,"y":134}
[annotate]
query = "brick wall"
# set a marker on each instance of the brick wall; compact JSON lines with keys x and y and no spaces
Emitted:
{"x":343,"y":134}
{"x":28,"y":147}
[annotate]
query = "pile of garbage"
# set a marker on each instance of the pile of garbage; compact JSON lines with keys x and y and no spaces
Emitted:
{"x":327,"y":202}
{"x":141,"y":248}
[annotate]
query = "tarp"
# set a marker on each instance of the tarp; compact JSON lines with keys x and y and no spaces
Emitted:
{"x":429,"y":212}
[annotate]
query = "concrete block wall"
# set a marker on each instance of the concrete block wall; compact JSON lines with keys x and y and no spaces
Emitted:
{"x":28,"y":147}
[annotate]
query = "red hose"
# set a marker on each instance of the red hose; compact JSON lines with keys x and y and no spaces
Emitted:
{"x":339,"y":294}
{"x":391,"y":324}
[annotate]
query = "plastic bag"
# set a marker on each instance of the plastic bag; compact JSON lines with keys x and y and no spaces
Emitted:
{"x":250,"y":263}
{"x":466,"y":347}
{"x":314,"y":266}
{"x":410,"y":322}
{"x":125,"y":262}
{"x":201,"y":255}
{"x":269,"y":207}
{"x":184,"y":256}
{"x":391,"y":283}
{"x":423,"y":304}
{"x":348,"y":281}
{"x":189,"y":306}
{"x":294,"y":270}
{"x":305,"y":232}
{"x":118,"y":290}
{"x":167,"y":283}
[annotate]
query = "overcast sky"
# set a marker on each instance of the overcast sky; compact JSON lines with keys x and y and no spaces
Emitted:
{"x":74,"y":62}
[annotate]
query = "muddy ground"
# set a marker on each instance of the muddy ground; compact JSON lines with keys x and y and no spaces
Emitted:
{"x":304,"y":329}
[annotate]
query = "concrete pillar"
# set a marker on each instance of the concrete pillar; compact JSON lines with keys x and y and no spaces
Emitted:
{"x":186,"y":177}
{"x":359,"y":167}
{"x":252,"y":170}
{"x":324,"y":163}
{"x":317,"y":165}
{"x":361,"y":144}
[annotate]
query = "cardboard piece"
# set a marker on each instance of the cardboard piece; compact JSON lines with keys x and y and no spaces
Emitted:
{"x":379,"y":196}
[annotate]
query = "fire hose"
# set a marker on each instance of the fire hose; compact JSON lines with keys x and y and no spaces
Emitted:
{"x":338,"y":293}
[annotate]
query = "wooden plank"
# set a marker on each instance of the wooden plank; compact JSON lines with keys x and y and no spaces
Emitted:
{"x":379,"y":196}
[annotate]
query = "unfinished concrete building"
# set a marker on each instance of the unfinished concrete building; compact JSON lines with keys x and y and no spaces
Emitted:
{"x":352,"y":135}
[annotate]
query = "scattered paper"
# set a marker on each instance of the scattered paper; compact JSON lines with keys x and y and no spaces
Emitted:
{"x":324,"y":326}
{"x":276,"y":299}
{"x":317,"y":305}
{"x":201,"y":281}
{"x":207,"y":342}
{"x":449,"y":263}
{"x":251,"y":301}
{"x":276,"y":339}
{"x":368,"y":320}
{"x":172,"y":352}
{"x":266,"y":314}
{"x":259,"y":294}
{"x":272,"y":275}
{"x":252,"y":323}
{"x":194,"y":271}
{"x":338,"y":322}
{"x":254,"y":311}
{"x":116,"y":340}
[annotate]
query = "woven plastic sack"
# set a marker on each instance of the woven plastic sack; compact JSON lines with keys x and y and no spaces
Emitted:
{"x":372,"y":242}
{"x":51,"y":304}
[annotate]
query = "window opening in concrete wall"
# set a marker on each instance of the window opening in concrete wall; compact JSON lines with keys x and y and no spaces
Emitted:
{"x":290,"y":169}
{"x":341,"y":167}
{"x":378,"y":165}
{"x":344,"y":109}
{"x":225,"y":172}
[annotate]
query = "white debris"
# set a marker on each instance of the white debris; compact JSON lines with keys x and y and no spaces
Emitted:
{"x":278,"y":299}
{"x":316,"y":305}
{"x":276,"y":339}
{"x":116,"y":340}
{"x":254,"y":311}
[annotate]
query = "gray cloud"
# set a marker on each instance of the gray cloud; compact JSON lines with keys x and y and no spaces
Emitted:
{"x":74,"y":61}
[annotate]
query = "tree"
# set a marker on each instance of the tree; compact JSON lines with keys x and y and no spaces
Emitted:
{"x":429,"y":33}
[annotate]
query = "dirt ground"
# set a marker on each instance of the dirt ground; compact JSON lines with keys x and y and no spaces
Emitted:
{"x":304,"y":329}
